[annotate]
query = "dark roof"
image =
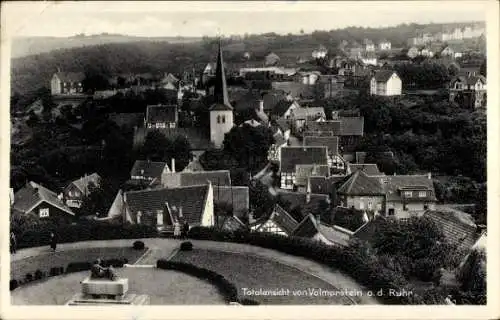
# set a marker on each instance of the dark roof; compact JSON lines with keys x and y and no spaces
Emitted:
{"x":352,"y":126}
{"x":283,"y":220}
{"x":470,"y":80}
{"x":26,"y":198}
{"x":370,"y":169}
{"x":303,"y":171}
{"x":393,"y":185}
{"x":147,"y":168}
{"x":291,"y":156}
{"x":383,"y":75}
{"x":196,"y":137}
{"x":83,"y":183}
{"x":322,"y":184}
{"x":279,"y":139}
{"x":232,"y":223}
{"x":192,"y":200}
{"x":307,"y":228}
{"x":284,"y":124}
{"x":358,"y":183}
{"x":220,"y":88}
{"x":71,"y":76}
{"x":457,"y":231}
{"x":337,"y":235}
{"x":220,"y":107}
{"x":281,"y":107}
{"x":332,"y":143}
{"x":272,"y":98}
{"x":367,"y":231}
{"x":217,"y":177}
{"x":238,"y":197}
{"x":296,"y":199}
{"x":161,"y":113}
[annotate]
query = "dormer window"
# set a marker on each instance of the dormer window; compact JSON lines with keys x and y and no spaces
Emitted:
{"x":422,"y":194}
{"x":408,"y":194}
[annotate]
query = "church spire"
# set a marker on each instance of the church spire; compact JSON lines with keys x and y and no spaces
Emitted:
{"x":220,"y":89}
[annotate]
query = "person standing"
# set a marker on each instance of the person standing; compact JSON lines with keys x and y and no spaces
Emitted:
{"x":13,"y":243}
{"x":185,"y":230}
{"x":177,"y":230}
{"x":53,"y":241}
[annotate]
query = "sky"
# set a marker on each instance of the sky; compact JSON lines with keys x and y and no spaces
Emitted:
{"x":195,"y":19}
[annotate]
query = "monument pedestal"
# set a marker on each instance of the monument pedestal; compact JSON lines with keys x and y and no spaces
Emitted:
{"x":107,"y":292}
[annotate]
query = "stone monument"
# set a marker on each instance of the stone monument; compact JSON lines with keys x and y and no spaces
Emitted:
{"x":104,"y":287}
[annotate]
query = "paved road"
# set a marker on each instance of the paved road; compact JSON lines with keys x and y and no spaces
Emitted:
{"x":164,"y":248}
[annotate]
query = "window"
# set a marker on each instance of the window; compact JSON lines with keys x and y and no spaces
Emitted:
{"x":70,"y":193}
{"x":408,"y":194}
{"x":361,"y":205}
{"x":426,"y":206}
{"x":391,"y":211}
{"x":44,"y":212}
{"x":404,"y":220}
{"x":172,"y":125}
{"x":405,"y":208}
{"x":223,"y":119}
{"x":218,"y":119}
{"x":422,"y":194}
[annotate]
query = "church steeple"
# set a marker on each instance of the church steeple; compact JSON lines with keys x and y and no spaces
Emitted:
{"x":220,"y":89}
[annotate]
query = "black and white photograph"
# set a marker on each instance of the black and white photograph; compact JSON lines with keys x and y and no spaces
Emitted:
{"x":248,"y":154}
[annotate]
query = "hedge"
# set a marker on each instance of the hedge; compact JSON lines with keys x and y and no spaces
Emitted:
{"x":349,"y":260}
{"x":84,"y":231}
{"x":227,"y":289}
{"x":186,"y":246}
{"x":138,"y":245}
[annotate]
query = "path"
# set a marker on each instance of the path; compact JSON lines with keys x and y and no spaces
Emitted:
{"x":163,"y":249}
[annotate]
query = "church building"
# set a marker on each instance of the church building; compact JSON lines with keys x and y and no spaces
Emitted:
{"x":221,"y":112}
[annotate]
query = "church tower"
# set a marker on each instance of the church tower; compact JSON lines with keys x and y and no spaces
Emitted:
{"x":221,"y":112}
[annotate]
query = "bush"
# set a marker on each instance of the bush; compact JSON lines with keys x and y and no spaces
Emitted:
{"x":116,"y":263}
{"x":38,"y":274}
{"x":55,"y":271}
{"x":28,"y":277}
{"x":13,"y":284}
{"x":78,"y":266}
{"x":186,"y":246}
{"x":138,"y":245}
{"x":425,"y":269}
{"x":227,"y":289}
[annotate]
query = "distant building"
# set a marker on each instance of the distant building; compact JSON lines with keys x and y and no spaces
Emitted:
{"x":469,"y":91}
{"x":320,"y":53}
{"x":384,"y":45}
{"x":362,"y":192}
{"x":148,"y":171}
{"x":413,"y":52}
{"x":67,"y":83}
{"x":161,"y":117}
{"x":369,"y":45}
{"x":279,"y":222}
{"x":385,"y":83}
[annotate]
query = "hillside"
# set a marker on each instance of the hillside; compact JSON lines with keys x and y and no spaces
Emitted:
{"x":25,"y":46}
{"x":135,"y":54}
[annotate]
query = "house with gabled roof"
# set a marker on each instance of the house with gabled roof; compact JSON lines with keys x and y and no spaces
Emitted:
{"x":78,"y":190}
{"x":148,"y":171}
{"x":279,"y":222}
{"x":306,"y":201}
{"x":292,"y":156}
{"x":163,"y":207}
{"x":304,"y":171}
{"x":362,"y":192}
{"x":469,"y":91}
{"x":322,"y":184}
{"x":311,"y":228}
{"x":161,"y":116}
{"x":36,"y":200}
{"x":384,"y":45}
{"x":322,"y":128}
{"x":408,"y":195}
{"x":385,"y":83}
{"x":238,"y":197}
{"x":67,"y":83}
{"x":192,"y":178}
{"x":231,"y":223}
{"x":335,"y":161}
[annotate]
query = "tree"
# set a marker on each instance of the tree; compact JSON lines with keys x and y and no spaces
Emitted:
{"x":157,"y":147}
{"x":261,"y":200}
{"x":249,"y":145}
{"x":99,"y":200}
{"x":482,"y":68}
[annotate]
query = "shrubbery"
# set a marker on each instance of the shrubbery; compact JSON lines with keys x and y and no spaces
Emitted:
{"x":28,"y":277}
{"x":55,"y":271}
{"x":138,"y":245}
{"x":38,"y":274}
{"x":78,"y":266}
{"x":13,"y":284}
{"x":228,"y":290}
{"x":186,"y":246}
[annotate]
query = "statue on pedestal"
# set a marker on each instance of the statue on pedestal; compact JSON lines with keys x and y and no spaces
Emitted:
{"x":99,"y":272}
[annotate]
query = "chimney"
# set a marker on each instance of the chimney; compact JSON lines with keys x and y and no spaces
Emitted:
{"x":172,"y":165}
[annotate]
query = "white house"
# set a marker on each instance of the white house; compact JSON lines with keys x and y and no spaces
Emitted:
{"x":384,"y":45}
{"x":385,"y":83}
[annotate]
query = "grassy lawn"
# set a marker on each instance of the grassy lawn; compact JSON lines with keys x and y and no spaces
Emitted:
{"x":18,"y":269}
{"x":165,"y":287}
{"x":251,"y":272}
